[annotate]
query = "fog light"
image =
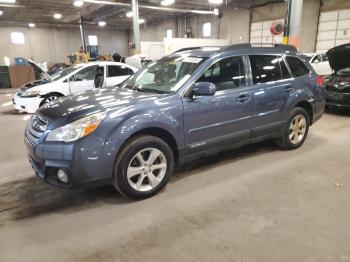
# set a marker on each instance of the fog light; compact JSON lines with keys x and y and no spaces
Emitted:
{"x":62,"y":176}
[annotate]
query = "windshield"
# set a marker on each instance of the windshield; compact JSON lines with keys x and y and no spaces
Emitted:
{"x":64,"y":72}
{"x":165,"y":75}
{"x":344,"y":72}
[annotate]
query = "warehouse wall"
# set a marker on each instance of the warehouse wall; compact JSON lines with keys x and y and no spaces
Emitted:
{"x":54,"y":44}
{"x":195,"y":22}
{"x":331,"y":5}
{"x":234,"y":25}
{"x":155,"y":32}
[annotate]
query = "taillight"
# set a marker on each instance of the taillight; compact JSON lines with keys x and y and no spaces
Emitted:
{"x":320,"y":81}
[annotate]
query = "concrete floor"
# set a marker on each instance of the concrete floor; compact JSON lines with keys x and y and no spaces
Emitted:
{"x":257,"y":203}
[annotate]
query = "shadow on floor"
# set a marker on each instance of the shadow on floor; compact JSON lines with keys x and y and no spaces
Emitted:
{"x":31,"y":197}
{"x":13,"y":112}
{"x":338,"y":111}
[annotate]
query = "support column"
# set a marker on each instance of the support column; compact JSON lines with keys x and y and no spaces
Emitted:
{"x":82,"y":33}
{"x":294,"y":25}
{"x":136,"y":25}
{"x":286,"y":22}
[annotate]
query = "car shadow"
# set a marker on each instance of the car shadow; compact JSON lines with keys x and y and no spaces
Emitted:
{"x":12,"y":112}
{"x":31,"y":197}
{"x":338,"y":111}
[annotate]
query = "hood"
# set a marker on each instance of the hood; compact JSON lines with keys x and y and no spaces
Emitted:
{"x":33,"y":84}
{"x":43,"y":74}
{"x":68,"y":109}
{"x":339,"y":57}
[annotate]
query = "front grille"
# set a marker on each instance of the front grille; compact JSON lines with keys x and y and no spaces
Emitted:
{"x":35,"y":129}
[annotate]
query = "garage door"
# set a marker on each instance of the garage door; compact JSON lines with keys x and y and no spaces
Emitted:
{"x":333,"y":29}
{"x":260,"y":33}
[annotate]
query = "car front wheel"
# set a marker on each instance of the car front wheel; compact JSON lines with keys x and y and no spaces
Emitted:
{"x":143,"y":167}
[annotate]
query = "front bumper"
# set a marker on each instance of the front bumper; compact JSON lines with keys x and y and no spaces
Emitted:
{"x":86,"y":162}
{"x":338,"y":99}
{"x":26,"y":104}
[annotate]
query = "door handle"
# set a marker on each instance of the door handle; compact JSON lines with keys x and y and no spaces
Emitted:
{"x":242,"y":99}
{"x":289,"y":89}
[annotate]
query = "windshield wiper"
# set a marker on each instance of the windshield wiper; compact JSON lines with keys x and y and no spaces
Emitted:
{"x":147,"y":90}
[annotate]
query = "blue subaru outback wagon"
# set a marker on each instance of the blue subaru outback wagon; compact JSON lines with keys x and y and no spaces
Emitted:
{"x":186,"y":105}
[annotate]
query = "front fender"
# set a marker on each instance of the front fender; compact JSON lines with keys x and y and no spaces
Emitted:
{"x":151,"y":119}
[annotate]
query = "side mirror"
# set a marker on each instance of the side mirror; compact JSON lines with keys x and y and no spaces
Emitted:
{"x":204,"y":89}
{"x":71,"y":79}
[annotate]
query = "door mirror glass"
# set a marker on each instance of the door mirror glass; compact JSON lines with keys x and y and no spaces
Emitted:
{"x":203,"y":89}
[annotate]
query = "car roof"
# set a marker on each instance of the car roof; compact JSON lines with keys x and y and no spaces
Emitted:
{"x":238,"y":48}
{"x":100,"y":63}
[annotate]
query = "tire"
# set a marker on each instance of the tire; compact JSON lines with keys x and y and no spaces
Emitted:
{"x":294,"y":134}
{"x":50,"y":98}
{"x":146,"y":176}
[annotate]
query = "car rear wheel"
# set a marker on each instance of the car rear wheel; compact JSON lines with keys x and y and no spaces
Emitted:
{"x":143,"y":167}
{"x":296,"y":130}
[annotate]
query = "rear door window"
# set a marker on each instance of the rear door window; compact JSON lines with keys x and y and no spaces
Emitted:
{"x":297,"y":67}
{"x":114,"y":71}
{"x":268,"y":68}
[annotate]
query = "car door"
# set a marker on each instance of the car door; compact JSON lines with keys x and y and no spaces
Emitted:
{"x":271,"y":87}
{"x":117,"y":74}
{"x":223,"y":118}
{"x":83,"y":80}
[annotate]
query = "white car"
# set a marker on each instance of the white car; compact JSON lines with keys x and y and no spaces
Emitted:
{"x":74,"y":79}
{"x":319,"y":62}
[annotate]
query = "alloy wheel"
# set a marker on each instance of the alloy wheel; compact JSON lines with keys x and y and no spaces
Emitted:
{"x":50,"y":99}
{"x":297,"y":129}
{"x":146,"y":169}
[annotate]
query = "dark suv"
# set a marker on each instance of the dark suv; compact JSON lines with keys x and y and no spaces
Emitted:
{"x":183,"y":106}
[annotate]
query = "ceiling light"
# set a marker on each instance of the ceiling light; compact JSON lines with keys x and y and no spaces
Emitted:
{"x":1,"y":12}
{"x":8,"y":1}
{"x":78,"y":3}
{"x":102,"y":23}
{"x":216,"y":2}
{"x":129,"y":14}
{"x":31,"y":25}
{"x":141,"y":21}
{"x":167,"y":2}
{"x":57,"y":16}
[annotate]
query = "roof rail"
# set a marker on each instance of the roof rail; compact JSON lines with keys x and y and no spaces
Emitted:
{"x":281,"y":47}
{"x":194,"y":48}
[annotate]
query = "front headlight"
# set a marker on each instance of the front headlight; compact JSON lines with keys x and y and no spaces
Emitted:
{"x":30,"y":93}
{"x":76,"y":129}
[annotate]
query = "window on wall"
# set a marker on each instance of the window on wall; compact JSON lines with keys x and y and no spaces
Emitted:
{"x":17,"y":38}
{"x":206,"y":29}
{"x":169,"y":33}
{"x":92,"y":40}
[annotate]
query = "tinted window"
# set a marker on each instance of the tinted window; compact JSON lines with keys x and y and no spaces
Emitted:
{"x":324,"y":57}
{"x":87,"y":73}
{"x":316,"y":59}
{"x":297,"y":67}
{"x":225,"y":74}
{"x":284,"y":70}
{"x":267,"y":68}
{"x":118,"y":71}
